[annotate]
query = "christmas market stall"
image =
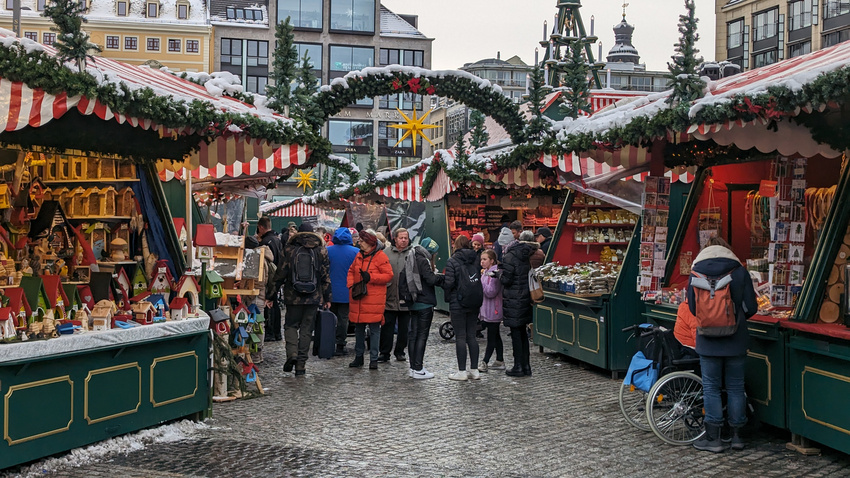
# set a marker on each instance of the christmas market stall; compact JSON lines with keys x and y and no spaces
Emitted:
{"x":89,"y":254}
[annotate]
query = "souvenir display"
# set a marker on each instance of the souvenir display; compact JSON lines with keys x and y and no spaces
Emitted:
{"x":592,"y":278}
{"x":653,"y":235}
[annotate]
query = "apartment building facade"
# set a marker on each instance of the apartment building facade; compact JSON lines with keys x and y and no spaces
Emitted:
{"x":754,"y":33}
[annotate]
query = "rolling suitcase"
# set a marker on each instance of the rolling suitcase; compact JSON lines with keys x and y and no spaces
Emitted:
{"x":324,"y":334}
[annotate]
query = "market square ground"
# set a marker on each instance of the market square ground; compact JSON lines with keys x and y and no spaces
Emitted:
{"x":337,"y":421}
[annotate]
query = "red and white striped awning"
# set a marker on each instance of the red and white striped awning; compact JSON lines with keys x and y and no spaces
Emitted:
{"x":411,"y":189}
{"x":283,"y":159}
{"x":25,"y":106}
{"x":298,"y":209}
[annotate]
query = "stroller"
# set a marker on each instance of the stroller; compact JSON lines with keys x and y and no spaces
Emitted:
{"x":447,"y":331}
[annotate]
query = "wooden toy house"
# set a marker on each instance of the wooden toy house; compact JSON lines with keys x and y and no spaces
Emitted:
{"x":205,"y":242}
{"x":77,"y":206}
{"x":18,"y":303}
{"x":78,"y":167}
{"x":179,"y":308}
{"x":144,"y":313}
{"x":101,"y":315}
{"x":125,"y":202}
{"x":106,"y":201}
{"x":37,"y":297}
{"x":220,"y":322}
{"x":56,"y":296}
{"x":86,"y":295}
{"x":5,"y":196}
{"x":8,"y":324}
{"x":126,"y":170}
{"x":139,"y":283}
{"x":214,"y":285}
{"x":91,"y":202}
{"x":189,"y":289}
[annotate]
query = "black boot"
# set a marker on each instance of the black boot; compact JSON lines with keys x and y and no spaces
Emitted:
{"x":515,"y":371}
{"x":340,"y":350}
{"x":358,"y":362}
{"x":737,"y":442}
{"x":373,"y":365}
{"x":710,"y":440}
{"x":290,"y":363}
{"x":526,"y":370}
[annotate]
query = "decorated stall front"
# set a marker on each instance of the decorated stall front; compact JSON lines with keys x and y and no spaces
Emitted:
{"x":93,"y":344}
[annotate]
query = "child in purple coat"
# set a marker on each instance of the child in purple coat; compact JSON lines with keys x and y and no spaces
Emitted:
{"x":491,"y":311}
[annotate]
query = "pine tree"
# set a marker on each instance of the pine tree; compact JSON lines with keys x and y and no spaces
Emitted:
{"x":687,"y":85}
{"x":480,"y":136}
{"x":461,"y":156}
{"x":284,"y":67}
{"x":577,"y":96}
{"x":372,"y":171}
{"x":72,"y":44}
{"x":536,"y":94}
{"x":304,"y":96}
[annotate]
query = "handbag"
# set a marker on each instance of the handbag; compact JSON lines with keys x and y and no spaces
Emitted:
{"x":642,"y":373}
{"x":535,"y":289}
{"x":359,"y":290}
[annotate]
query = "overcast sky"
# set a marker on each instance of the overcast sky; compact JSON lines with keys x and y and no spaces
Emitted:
{"x":466,"y":31}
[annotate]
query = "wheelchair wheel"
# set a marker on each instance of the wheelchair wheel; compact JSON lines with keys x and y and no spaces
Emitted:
{"x":447,"y":332}
{"x":674,"y":408}
{"x":633,"y":406}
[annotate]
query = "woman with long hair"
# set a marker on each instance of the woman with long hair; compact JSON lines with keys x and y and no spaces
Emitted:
{"x":462,"y":286}
{"x":491,"y":311}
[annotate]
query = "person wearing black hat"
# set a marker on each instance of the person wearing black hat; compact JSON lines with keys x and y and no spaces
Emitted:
{"x":544,"y":238}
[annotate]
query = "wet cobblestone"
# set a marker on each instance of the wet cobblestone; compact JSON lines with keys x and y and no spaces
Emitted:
{"x":337,"y":421}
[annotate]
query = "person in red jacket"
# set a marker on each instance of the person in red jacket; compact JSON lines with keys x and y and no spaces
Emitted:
{"x":373,"y":267}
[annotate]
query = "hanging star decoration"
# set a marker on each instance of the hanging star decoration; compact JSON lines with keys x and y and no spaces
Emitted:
{"x":414,"y":128}
{"x":305,"y":180}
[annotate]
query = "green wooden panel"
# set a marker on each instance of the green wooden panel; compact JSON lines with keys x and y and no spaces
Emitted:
{"x":765,"y":378}
{"x":565,"y":328}
{"x":38,"y":409}
{"x":112,"y":392}
{"x":437,"y":228}
{"x":660,"y":314}
{"x":818,"y":387}
{"x":169,"y":375}
{"x":544,"y":325}
{"x":589,"y":333}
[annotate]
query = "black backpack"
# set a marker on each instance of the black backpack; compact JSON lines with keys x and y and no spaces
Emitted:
{"x":304,"y":264}
{"x":470,"y":292}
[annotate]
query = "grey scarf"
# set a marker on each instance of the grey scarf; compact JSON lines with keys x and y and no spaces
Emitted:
{"x":414,"y":280}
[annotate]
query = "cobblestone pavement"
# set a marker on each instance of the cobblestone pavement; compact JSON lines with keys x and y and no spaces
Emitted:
{"x":337,"y":421}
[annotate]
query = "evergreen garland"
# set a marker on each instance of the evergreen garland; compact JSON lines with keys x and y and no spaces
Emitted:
{"x":576,"y":98}
{"x":284,"y":67}
{"x":687,"y":85}
{"x":72,"y":44}
{"x":480,"y":136}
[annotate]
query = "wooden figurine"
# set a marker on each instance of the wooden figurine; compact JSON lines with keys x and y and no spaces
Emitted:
{"x":189,"y":289}
{"x":123,"y":233}
{"x":144,"y":313}
{"x":119,"y":250}
{"x":91,"y":201}
{"x":163,"y":281}
{"x":125,"y":202}
{"x":179,"y":307}
{"x":101,"y":315}
{"x":126,"y":170}
{"x":107,"y":198}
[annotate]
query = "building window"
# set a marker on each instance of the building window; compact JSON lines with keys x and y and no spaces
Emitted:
{"x":10,"y":5}
{"x":258,"y":53}
{"x":182,"y":11}
{"x":764,"y":58}
{"x":113,"y":42}
{"x":834,"y":8}
{"x":799,"y":14}
{"x":799,"y":49}
{"x":152,"y":10}
{"x":402,"y":101}
{"x":765,"y":24}
{"x":121,"y":9}
{"x":252,"y":14}
{"x":388,"y":137}
{"x":734,"y":34}
{"x":640,"y":83}
{"x":231,"y":52}
{"x":313,"y":52}
{"x":389,"y":56}
{"x":153,"y":44}
{"x":350,"y":136}
{"x":346,"y":58}
{"x":835,"y":38}
{"x":131,"y":43}
{"x":353,"y":15}
{"x":301,"y":13}
{"x":193,"y":46}
{"x":48,"y":38}
{"x":256,"y":84}
{"x":40,"y":4}
{"x":174,"y":45}
{"x":31,"y":36}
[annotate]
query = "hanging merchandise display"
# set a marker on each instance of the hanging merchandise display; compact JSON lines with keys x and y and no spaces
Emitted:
{"x":653,"y":240}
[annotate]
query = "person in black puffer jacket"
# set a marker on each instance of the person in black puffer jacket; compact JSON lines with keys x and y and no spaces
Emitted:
{"x":464,"y":318}
{"x":516,"y":300}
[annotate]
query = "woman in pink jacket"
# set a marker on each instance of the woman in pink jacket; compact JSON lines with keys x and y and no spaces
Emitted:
{"x":491,"y":311}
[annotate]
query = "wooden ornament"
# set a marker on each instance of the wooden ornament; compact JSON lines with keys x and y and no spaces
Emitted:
{"x":835,"y":293}
{"x":843,"y":254}
{"x":834,"y":275}
{"x":829,"y":312}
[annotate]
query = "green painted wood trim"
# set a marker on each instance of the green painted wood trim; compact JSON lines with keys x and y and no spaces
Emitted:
{"x":562,"y":221}
{"x":592,"y":302}
{"x":171,"y":240}
{"x":631,"y":257}
{"x":816,"y":346}
{"x":675,"y":246}
{"x":835,"y":225}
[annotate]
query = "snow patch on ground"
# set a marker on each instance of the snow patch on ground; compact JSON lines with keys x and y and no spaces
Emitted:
{"x":124,"y":444}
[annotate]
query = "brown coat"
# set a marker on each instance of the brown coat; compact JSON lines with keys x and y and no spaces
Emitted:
{"x":369,"y":309}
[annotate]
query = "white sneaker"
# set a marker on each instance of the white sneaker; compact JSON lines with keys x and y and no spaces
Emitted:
{"x":410,"y":373}
{"x":422,"y":374}
{"x":473,"y":374}
{"x":497,"y":365}
{"x":460,"y":375}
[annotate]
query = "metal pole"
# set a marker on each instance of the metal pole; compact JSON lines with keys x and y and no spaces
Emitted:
{"x":16,"y":17}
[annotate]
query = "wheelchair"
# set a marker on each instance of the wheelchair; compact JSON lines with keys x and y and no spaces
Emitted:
{"x":673,"y":406}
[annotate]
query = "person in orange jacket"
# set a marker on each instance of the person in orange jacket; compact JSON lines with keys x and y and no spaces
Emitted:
{"x":685,"y":329}
{"x":373,"y":267}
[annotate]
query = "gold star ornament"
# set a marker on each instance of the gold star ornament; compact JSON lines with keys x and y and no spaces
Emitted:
{"x":305,"y":179}
{"x":414,"y":127}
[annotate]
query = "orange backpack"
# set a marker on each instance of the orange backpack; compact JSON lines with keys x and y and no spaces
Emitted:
{"x":715,"y":311}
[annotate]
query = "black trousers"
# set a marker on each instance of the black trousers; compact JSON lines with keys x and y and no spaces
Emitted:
{"x":388,"y":330}
{"x":420,"y":327}
{"x":494,"y":342}
{"x":522,"y":354}
{"x":272,"y":316}
{"x":341,"y":312}
{"x":465,"y":324}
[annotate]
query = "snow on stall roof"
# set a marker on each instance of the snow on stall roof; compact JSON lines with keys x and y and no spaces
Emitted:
{"x":391,"y":70}
{"x":394,"y":25}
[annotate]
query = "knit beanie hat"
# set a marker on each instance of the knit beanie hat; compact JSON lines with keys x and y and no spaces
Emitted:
{"x":478,"y":237}
{"x":505,"y":236}
{"x":430,"y":245}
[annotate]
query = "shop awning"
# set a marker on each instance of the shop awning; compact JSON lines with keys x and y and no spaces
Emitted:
{"x":283,"y":159}
{"x":298,"y":209}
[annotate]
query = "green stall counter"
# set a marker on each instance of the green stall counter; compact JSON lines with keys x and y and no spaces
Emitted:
{"x":68,"y":392}
{"x":765,"y":370}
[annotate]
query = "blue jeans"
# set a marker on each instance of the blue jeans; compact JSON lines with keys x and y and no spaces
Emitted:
{"x":714,"y":369}
{"x":360,"y":340}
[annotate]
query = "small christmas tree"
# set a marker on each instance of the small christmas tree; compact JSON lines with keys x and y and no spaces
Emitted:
{"x":687,"y":85}
{"x":480,"y":136}
{"x":372,"y":171}
{"x":576,"y":98}
{"x":72,"y":44}
{"x":305,"y":100}
{"x":536,"y":94}
{"x":284,"y":67}
{"x":461,"y":156}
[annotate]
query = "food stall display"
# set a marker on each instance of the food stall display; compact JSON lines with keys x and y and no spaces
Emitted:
{"x":488,"y":212}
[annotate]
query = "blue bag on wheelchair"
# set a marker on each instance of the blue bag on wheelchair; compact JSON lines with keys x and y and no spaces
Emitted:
{"x":642,"y":373}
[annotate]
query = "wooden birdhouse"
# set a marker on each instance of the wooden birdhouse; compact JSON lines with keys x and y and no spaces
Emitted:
{"x":241,"y":315}
{"x":123,"y":280}
{"x":101,"y":315}
{"x":76,"y":207}
{"x":179,"y":308}
{"x":107,"y":169}
{"x":63,"y":167}
{"x":5,"y":196}
{"x":220,"y":322}
{"x":144,"y":313}
{"x":205,"y":242}
{"x":18,"y":303}
{"x":51,"y":167}
{"x":7,"y":324}
{"x":189,"y":289}
{"x":139,"y":283}
{"x":159,"y":304}
{"x":78,"y":167}
{"x":126,"y":170}
{"x":74,"y":304}
{"x":107,"y":201}
{"x":182,"y":233}
{"x":97,"y":235}
{"x":56,"y":296}
{"x":125,"y":202}
{"x":86,"y":295}
{"x":36,"y":296}
{"x":91,"y":201}
{"x":36,"y":192}
{"x":162,"y":282}
{"x":214,"y":285}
